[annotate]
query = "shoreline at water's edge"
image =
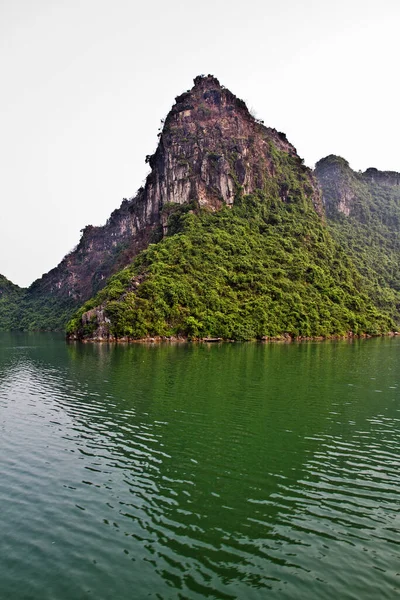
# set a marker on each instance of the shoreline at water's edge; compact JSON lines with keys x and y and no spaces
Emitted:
{"x":285,"y":338}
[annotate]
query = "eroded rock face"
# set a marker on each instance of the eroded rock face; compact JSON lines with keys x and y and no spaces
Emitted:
{"x":388,"y":178}
{"x":337,"y":182}
{"x":348,"y":192}
{"x":210,"y":149}
{"x":101,"y":252}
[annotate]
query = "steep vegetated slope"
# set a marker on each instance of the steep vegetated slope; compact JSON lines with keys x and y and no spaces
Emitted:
{"x":363,"y":214}
{"x":245,"y":251}
{"x":258,"y":269}
{"x":10,"y":297}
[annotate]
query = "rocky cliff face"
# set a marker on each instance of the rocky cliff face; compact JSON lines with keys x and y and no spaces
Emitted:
{"x":347,"y":192}
{"x":338,"y":184}
{"x":211,"y":148}
{"x":100,"y":252}
{"x":387,"y":178}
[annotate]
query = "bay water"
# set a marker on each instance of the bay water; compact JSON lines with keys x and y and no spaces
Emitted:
{"x":199,"y":470}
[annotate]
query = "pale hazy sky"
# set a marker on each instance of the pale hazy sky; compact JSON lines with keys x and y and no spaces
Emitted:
{"x":84,"y":84}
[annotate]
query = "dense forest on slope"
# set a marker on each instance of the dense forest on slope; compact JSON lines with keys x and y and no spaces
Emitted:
{"x":363,"y":213}
{"x":27,"y":309}
{"x":262,"y":268}
{"x":10,"y":298}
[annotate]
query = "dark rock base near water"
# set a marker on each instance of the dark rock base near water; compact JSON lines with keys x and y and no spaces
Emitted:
{"x":185,"y":339}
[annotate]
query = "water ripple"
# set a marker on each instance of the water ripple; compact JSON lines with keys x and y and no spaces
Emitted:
{"x":192,"y":473}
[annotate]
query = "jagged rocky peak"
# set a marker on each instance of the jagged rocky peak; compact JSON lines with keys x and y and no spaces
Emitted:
{"x":210,"y":148}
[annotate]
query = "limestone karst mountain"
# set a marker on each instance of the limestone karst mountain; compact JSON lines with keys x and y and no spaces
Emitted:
{"x":210,"y":146}
{"x":228,"y":237}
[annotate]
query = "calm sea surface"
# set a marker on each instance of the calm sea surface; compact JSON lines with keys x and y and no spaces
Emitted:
{"x":199,"y":471}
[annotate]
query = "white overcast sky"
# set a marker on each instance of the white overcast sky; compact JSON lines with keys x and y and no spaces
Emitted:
{"x":84,"y":84}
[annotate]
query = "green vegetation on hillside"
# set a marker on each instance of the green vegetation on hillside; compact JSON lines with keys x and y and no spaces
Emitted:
{"x":10,"y":297}
{"x":24,"y":310}
{"x":44,"y":312}
{"x":268,"y":266}
{"x":265,"y":267}
{"x":370,"y":234}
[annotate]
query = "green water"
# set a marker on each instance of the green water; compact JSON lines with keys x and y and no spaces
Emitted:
{"x":199,"y":471}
